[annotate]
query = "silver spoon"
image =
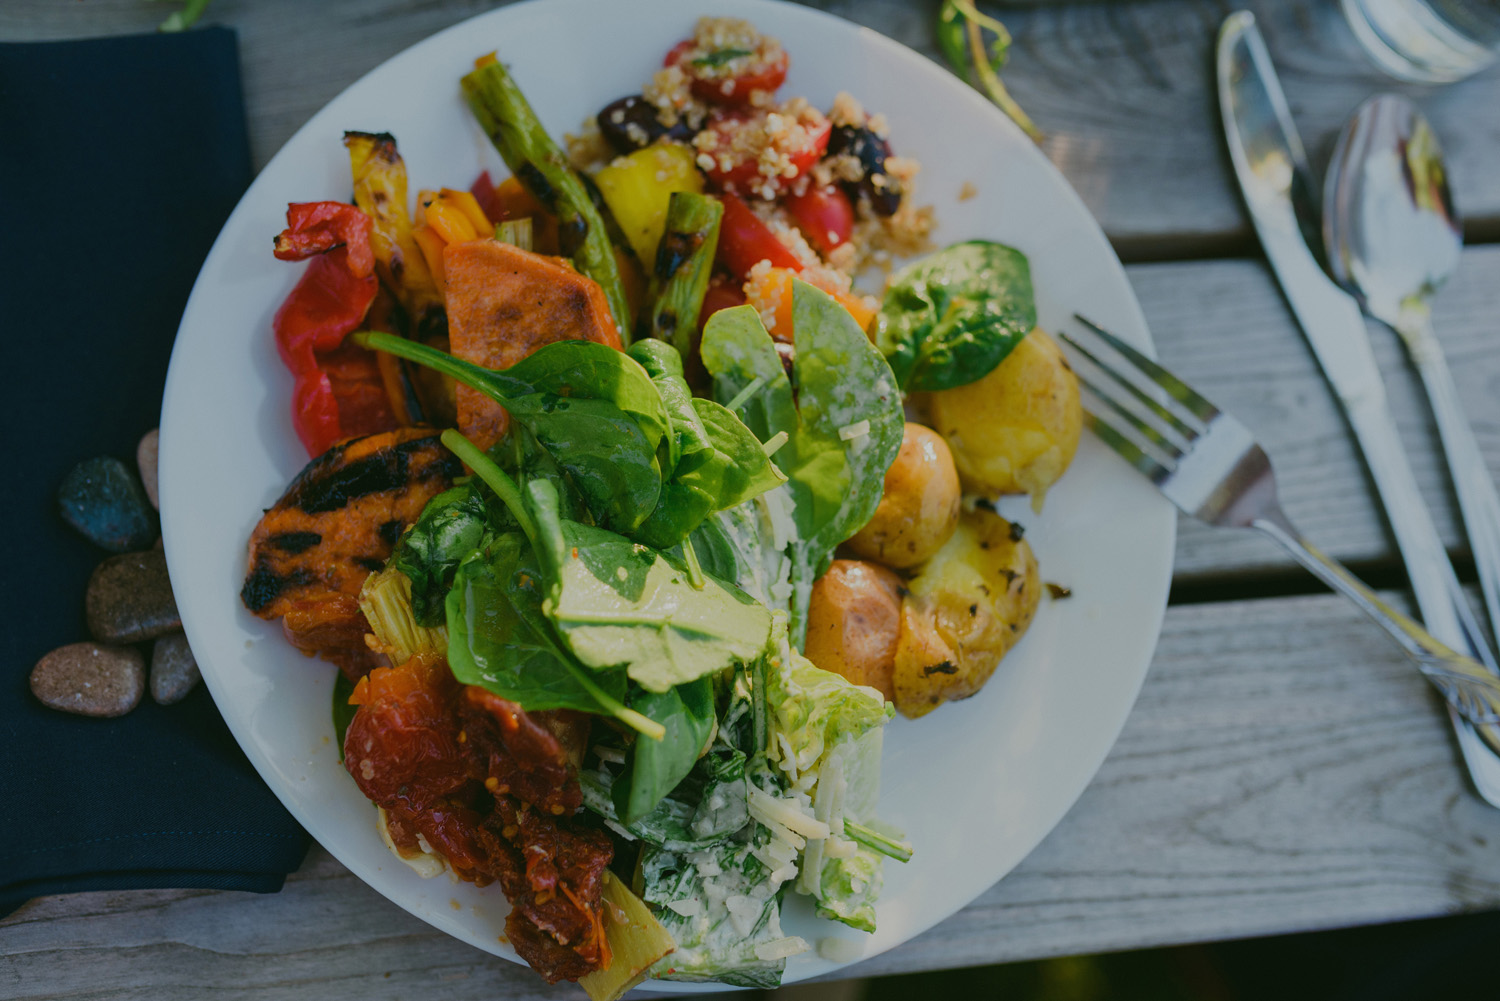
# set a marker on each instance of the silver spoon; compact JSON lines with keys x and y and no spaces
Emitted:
{"x":1393,"y":238}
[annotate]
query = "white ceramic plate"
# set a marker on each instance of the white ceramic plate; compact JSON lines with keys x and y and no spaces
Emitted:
{"x":977,"y":784}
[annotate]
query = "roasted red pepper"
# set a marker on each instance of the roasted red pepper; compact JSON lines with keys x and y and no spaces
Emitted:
{"x":339,"y":391}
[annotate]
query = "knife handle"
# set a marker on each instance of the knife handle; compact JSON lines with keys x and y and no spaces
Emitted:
{"x":1432,"y":578}
{"x":1445,"y":611}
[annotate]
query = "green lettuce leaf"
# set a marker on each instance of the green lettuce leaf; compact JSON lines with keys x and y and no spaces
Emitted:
{"x":844,"y":421}
{"x":619,"y":604}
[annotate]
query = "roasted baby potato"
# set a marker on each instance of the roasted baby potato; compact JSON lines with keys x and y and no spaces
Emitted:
{"x":965,"y":609}
{"x":919,"y":508}
{"x":854,"y":623}
{"x":1015,"y":430}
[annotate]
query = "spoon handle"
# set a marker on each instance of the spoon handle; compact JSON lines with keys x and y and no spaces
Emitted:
{"x":1477,"y":498}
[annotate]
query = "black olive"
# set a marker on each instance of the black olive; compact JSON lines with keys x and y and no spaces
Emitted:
{"x":871,"y":151}
{"x":630,"y":124}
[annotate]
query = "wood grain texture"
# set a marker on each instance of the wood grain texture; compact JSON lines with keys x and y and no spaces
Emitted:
{"x":1123,"y":90}
{"x":1284,"y":769}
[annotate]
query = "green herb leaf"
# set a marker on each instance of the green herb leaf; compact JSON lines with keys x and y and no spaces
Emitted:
{"x":719,"y":57}
{"x":960,"y":37}
{"x":619,"y":604}
{"x":184,"y":19}
{"x":951,"y":28}
{"x":950,"y":318}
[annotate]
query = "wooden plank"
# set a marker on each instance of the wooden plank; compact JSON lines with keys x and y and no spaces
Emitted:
{"x":1224,"y":328}
{"x":1284,"y":769}
{"x":1124,"y":91}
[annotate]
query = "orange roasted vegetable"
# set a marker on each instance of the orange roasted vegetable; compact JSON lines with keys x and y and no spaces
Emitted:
{"x":503,"y":304}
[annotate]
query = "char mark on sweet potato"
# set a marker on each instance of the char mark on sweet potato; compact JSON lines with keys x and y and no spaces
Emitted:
{"x":337,"y":522}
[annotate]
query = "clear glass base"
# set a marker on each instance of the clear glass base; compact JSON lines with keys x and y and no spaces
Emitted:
{"x":1412,"y":40}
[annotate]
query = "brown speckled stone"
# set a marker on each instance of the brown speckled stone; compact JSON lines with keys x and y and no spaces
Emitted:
{"x":130,"y":599}
{"x":90,"y":679}
{"x":174,"y":670}
{"x":145,"y":460}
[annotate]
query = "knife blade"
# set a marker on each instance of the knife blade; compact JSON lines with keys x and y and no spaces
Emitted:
{"x":1271,"y":166}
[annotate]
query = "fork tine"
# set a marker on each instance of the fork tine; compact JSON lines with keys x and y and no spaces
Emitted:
{"x":1175,"y":387}
{"x":1169,"y":448}
{"x":1127,"y":449}
{"x":1185,"y":431}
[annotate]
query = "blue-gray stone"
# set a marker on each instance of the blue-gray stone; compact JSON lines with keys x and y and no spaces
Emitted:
{"x":102,"y":499}
{"x":174,"y":670}
{"x":129,"y":599}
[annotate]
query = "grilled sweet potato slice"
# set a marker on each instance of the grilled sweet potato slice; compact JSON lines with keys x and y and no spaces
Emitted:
{"x":337,"y":523}
{"x":503,"y":304}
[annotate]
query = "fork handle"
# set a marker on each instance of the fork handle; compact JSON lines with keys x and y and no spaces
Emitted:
{"x":1471,"y":689}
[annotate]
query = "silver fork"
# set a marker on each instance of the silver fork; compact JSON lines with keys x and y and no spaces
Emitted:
{"x":1210,"y":466}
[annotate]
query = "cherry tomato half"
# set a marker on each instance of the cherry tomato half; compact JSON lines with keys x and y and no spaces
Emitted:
{"x":740,"y":173}
{"x":745,"y":241}
{"x":710,"y":81}
{"x":825,"y":216}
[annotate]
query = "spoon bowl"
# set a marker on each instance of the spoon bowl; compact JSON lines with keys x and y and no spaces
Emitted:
{"x":1393,"y":238}
{"x":1389,"y":227}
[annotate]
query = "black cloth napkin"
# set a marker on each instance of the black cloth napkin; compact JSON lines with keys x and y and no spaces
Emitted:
{"x":122,"y":159}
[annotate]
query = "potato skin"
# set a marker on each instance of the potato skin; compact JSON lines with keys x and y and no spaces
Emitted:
{"x":964,"y":611}
{"x":854,"y":623}
{"x":919,"y":509}
{"x":1015,"y":430}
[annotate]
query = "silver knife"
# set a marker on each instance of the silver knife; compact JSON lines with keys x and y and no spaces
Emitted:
{"x":1273,"y":174}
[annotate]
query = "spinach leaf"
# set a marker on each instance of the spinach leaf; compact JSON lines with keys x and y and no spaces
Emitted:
{"x":620,"y":604}
{"x":844,"y":421}
{"x":499,"y":638}
{"x":716,"y":552}
{"x":593,"y":408}
{"x":453,"y":525}
{"x":714,"y":461}
{"x":739,"y":354}
{"x":664,"y":366}
{"x":657,"y":766}
{"x":950,"y":318}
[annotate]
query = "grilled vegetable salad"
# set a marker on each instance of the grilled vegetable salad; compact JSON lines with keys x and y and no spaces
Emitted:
{"x":589,"y":443}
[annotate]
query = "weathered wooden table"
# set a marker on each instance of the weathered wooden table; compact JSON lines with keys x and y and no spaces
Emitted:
{"x":1284,"y":770}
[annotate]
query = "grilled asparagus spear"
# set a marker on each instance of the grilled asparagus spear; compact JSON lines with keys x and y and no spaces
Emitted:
{"x":684,"y":261}
{"x":507,"y":118}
